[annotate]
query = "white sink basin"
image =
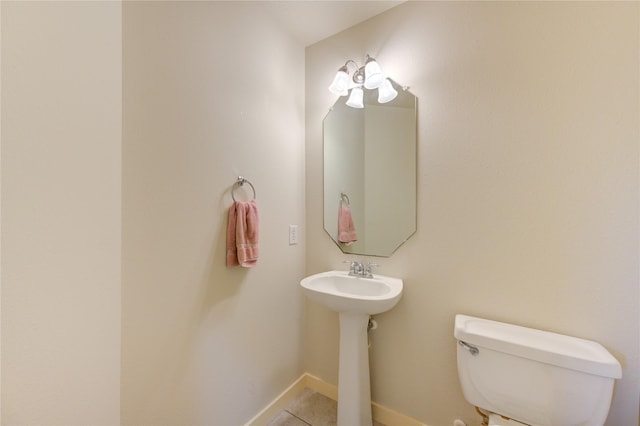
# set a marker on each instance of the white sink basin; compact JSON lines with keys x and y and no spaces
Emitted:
{"x":340,"y":292}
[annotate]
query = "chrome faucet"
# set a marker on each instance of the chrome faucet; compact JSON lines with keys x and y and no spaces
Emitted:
{"x":357,"y":269}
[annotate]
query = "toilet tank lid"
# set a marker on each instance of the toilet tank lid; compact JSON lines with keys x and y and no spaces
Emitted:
{"x":543,"y":346}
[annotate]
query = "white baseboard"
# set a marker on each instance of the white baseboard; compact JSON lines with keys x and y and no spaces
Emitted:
{"x":379,"y":412}
{"x":278,"y":404}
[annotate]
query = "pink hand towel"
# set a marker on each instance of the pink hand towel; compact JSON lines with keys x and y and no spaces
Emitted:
{"x":346,"y":230}
{"x":232,"y":251}
{"x":243,"y":234}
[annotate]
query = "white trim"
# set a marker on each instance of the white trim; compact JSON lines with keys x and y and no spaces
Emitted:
{"x":380,"y":413}
{"x":322,"y":387}
{"x":278,"y":404}
{"x":390,"y":417}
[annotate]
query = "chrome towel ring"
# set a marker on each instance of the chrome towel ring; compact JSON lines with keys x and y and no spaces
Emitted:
{"x":239,"y":182}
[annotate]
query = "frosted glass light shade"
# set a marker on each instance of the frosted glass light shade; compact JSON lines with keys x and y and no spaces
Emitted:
{"x":373,"y":75}
{"x":340,"y":84}
{"x":356,"y":98}
{"x":386,"y":92}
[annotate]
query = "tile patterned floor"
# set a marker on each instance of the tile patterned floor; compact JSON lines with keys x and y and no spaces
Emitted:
{"x":309,"y":409}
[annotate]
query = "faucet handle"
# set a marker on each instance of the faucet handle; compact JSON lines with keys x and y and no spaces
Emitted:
{"x":355,"y":268}
{"x":367,"y":270}
{"x":349,"y":262}
{"x":352,"y":264}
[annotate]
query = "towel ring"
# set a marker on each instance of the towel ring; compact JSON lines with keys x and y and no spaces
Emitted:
{"x":239,"y":182}
{"x":344,"y":197}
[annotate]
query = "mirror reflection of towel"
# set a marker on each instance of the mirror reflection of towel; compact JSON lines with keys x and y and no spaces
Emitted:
{"x":242,"y":234}
{"x":346,"y":230}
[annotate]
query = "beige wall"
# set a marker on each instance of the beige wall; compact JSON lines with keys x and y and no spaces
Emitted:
{"x":61,"y":133}
{"x":207,"y":91}
{"x":211,"y":91}
{"x":527,"y":188}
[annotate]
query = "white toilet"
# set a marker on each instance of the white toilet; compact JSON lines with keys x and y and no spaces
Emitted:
{"x":521,"y":375}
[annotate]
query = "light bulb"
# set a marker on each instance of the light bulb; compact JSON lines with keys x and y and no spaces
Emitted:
{"x":355,"y":100}
{"x":373,"y":75}
{"x":386,"y":92}
{"x":340,"y":83}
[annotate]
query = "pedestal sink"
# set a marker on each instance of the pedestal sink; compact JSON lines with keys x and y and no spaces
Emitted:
{"x":355,"y":298}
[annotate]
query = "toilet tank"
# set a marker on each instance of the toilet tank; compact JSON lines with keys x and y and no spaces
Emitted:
{"x":533,"y":376}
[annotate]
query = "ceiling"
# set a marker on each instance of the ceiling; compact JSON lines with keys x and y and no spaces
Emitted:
{"x":313,"y":20}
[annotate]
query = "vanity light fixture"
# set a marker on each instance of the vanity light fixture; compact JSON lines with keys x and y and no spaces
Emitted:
{"x":369,"y":76}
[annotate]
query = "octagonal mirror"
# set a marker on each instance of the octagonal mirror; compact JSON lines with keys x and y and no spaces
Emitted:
{"x":370,"y":172}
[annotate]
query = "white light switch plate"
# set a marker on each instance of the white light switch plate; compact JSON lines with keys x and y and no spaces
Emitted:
{"x":293,"y":234}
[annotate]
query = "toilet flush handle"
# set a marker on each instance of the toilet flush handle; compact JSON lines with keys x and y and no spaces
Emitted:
{"x":472,"y":349}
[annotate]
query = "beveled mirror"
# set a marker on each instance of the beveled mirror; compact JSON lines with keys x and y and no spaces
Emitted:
{"x":370,"y":168}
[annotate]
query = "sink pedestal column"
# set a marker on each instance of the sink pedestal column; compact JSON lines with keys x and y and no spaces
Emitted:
{"x":354,"y":392}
